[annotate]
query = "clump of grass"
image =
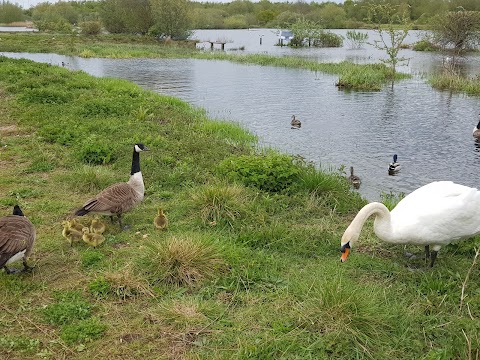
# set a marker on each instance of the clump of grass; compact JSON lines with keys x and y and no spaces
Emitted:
{"x":82,"y":331}
{"x":21,"y":344}
{"x":218,"y":203}
{"x":453,"y":82}
{"x":92,"y":258}
{"x":181,"y":261}
{"x":69,"y":306}
{"x":124,"y":284}
{"x":390,"y":199}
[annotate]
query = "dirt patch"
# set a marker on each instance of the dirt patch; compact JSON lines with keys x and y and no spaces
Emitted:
{"x":8,"y":129}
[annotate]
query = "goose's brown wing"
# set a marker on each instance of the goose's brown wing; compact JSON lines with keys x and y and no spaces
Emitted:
{"x":17,"y":233}
{"x":115,"y":199}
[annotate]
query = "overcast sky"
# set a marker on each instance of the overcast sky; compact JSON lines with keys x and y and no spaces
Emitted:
{"x":29,"y":3}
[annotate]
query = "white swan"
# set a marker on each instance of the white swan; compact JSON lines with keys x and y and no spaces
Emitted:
{"x":435,"y":214}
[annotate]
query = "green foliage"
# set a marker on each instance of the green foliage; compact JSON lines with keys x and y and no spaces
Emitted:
{"x":90,"y":27}
{"x":269,"y":172}
{"x":100,"y":288}
{"x":10,"y":13}
{"x":92,"y":258}
{"x":69,"y":306}
{"x":82,"y":331}
{"x":328,"y":39}
{"x":48,"y":95}
{"x":425,"y":45}
{"x":96,"y":151}
{"x":171,"y":19}
{"x":390,"y":200}
{"x":356,"y":39}
{"x":21,"y":344}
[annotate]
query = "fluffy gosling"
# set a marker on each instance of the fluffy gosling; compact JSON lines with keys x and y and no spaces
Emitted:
{"x":72,"y":235}
{"x":160,"y":221}
{"x":97,"y":226}
{"x":92,"y":239}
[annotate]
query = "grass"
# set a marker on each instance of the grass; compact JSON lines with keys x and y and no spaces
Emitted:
{"x":369,"y":77}
{"x":243,"y":271}
{"x":456,"y":83}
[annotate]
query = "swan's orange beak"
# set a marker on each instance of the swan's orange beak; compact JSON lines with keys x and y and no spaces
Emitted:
{"x":345,"y":249}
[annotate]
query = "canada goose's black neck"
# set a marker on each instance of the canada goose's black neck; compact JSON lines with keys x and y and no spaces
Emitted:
{"x":135,"y":163}
{"x":478,"y":125}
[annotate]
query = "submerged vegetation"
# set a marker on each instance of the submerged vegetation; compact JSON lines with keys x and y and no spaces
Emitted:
{"x":249,"y":265}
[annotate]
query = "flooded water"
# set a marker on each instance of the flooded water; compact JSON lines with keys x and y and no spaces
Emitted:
{"x":431,"y":131}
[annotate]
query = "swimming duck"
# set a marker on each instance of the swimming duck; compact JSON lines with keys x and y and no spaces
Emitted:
{"x":354,"y":179}
{"x":160,"y":221}
{"x":121,"y":197}
{"x":17,"y":236}
{"x":295,"y":122}
{"x":435,"y":214}
{"x":394,"y":166}
{"x":476,"y":131}
{"x":92,"y":239}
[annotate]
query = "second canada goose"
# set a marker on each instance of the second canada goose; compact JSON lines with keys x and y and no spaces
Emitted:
{"x":160,"y":221}
{"x":394,"y":166}
{"x":17,"y":236}
{"x":92,"y":238}
{"x":476,"y":131}
{"x":295,"y":122}
{"x":121,"y":197}
{"x":354,"y":179}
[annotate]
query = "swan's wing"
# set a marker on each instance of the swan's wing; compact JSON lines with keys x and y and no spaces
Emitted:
{"x":439,"y":212}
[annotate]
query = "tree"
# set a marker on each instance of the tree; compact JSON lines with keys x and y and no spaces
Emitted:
{"x":127,"y":16}
{"x":171,"y":19}
{"x":457,"y":30}
{"x":10,"y":13}
{"x":392,"y":28}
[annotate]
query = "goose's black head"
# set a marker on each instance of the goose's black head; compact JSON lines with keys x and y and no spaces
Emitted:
{"x":139,"y":147}
{"x":17,"y":211}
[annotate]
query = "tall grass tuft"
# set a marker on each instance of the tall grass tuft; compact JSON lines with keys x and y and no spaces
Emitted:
{"x":220,"y":203}
{"x":181,"y":261}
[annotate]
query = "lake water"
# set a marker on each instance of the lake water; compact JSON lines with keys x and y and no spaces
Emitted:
{"x":431,"y":131}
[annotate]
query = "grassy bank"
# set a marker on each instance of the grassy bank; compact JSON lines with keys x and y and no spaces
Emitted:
{"x":456,"y":83}
{"x":371,"y":77}
{"x":249,"y":265}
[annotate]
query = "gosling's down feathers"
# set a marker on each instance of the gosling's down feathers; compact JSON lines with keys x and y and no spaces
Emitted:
{"x":97,"y":226}
{"x":92,"y":239}
{"x":160,"y":221}
{"x":121,"y":197}
{"x":71,"y":233}
{"x":17,"y":236}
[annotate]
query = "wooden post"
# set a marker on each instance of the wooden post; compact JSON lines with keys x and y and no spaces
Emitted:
{"x":223,"y":46}
{"x":211,"y":45}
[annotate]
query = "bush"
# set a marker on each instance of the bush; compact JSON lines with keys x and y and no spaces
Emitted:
{"x":82,"y":331}
{"x":269,"y":172}
{"x":95,"y":151}
{"x":425,"y":45}
{"x":91,"y":27}
{"x":328,"y":39}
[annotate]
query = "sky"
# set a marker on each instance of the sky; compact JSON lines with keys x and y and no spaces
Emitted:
{"x":29,"y":3}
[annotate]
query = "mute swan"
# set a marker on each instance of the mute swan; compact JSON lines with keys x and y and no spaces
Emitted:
{"x":295,"y":122}
{"x":394,"y":166}
{"x":435,"y":214}
{"x":476,"y":131}
{"x":354,"y":179}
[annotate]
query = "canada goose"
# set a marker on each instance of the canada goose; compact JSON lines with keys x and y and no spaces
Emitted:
{"x":354,"y":179}
{"x":394,"y":166}
{"x":435,"y":214}
{"x":295,"y":122}
{"x":160,"y":221}
{"x":97,"y":226}
{"x":92,"y":239}
{"x":121,"y":197}
{"x":17,"y":236}
{"x":476,"y":131}
{"x":70,"y":233}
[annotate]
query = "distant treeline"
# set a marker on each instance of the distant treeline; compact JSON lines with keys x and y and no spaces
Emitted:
{"x":175,"y":18}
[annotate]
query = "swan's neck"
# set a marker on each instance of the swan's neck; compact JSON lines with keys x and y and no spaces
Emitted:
{"x":382,"y":224}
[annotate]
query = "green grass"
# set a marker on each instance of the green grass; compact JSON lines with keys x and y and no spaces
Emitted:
{"x":456,"y":83}
{"x":244,"y":270}
{"x":368,"y":77}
